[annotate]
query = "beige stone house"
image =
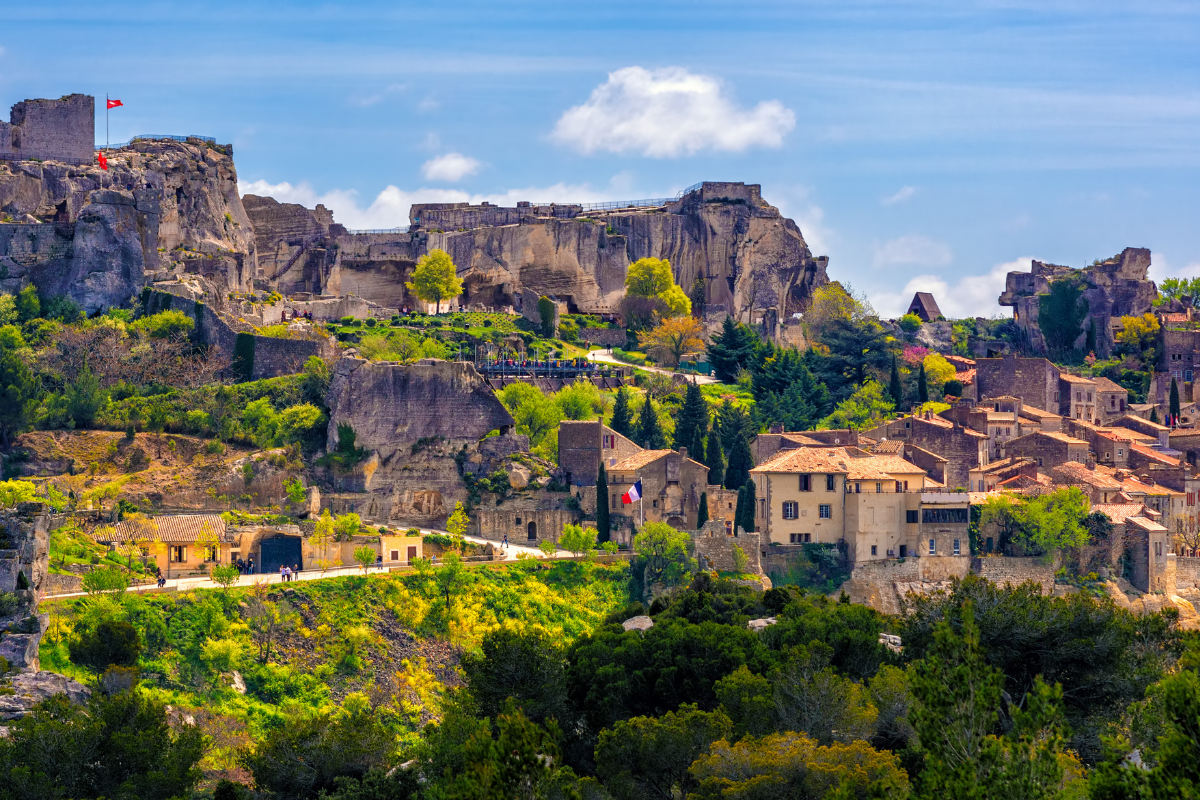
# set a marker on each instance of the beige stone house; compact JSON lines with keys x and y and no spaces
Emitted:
{"x":175,"y":542}
{"x":671,"y":487}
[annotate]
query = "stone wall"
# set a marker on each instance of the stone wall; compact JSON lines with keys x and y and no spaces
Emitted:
{"x":605,"y":337}
{"x":1033,"y":380}
{"x":1187,"y":572}
{"x":58,"y":130}
{"x":1015,"y":571}
{"x":714,"y":548}
{"x":24,"y":563}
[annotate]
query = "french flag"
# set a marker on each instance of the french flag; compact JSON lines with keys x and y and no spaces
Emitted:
{"x":633,"y":495}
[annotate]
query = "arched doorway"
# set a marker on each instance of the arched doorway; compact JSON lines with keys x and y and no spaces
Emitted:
{"x":278,"y":551}
{"x":532,"y":530}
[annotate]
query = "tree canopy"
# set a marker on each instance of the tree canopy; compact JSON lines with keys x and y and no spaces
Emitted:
{"x":435,"y":279}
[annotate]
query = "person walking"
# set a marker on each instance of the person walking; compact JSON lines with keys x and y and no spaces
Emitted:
{"x":294,"y":572}
{"x":506,"y":541}
{"x":283,"y":573}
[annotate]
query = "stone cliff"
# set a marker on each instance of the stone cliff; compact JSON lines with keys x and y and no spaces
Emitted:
{"x":417,"y":423}
{"x":162,"y":208}
{"x":1116,"y":287}
{"x":753,"y":261}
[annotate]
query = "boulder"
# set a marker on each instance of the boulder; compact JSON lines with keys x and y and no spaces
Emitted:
{"x":519,"y":475}
{"x":30,"y":688}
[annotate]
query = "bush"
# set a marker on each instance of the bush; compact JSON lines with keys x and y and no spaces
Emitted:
{"x":371,"y":323}
{"x":169,"y":324}
{"x":111,"y":642}
{"x":910,"y":323}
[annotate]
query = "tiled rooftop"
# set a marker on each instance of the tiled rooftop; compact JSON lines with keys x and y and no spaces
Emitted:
{"x":1105,"y":385}
{"x":181,"y":528}
{"x":1069,"y":378}
{"x":1152,"y":454}
{"x":1118,"y":512}
{"x":639,"y":460}
{"x":1073,"y":470}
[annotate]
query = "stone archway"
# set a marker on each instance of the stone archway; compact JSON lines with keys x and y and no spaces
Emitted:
{"x":532,"y":529}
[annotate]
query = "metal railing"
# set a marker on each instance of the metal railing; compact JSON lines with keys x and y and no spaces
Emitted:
{"x":400,"y":229}
{"x":172,"y":136}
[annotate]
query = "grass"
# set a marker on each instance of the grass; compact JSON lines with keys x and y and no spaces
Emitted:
{"x":717,"y":393}
{"x":73,"y":546}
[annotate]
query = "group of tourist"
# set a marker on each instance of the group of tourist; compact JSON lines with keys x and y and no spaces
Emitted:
{"x":287,"y":574}
{"x":245,"y":566}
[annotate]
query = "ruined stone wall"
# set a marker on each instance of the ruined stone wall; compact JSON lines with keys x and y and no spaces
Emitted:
{"x":59,"y":130}
{"x":1187,"y":572}
{"x":528,"y":521}
{"x":1015,"y":571}
{"x":714,"y":548}
{"x":455,"y":216}
{"x":604,"y":337}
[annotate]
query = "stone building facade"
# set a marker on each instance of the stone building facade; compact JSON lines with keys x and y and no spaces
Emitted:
{"x":714,"y":548}
{"x":1047,"y":449}
{"x":671,"y":488}
{"x":1034,"y":380}
{"x":51,"y":130}
{"x":962,"y":447}
{"x":584,"y":446}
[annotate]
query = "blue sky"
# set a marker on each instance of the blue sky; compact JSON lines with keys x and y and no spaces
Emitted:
{"x":928,"y":145}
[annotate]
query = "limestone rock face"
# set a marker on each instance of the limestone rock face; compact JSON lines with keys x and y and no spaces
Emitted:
{"x":98,"y":236}
{"x":754,"y":262}
{"x":414,"y":420}
{"x":1113,"y":288}
{"x":30,"y":688}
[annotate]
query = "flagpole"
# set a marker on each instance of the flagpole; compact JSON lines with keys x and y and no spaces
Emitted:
{"x":106,"y":138}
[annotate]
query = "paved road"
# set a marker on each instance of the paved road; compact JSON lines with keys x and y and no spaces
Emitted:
{"x":184,"y":584}
{"x":603,"y":357}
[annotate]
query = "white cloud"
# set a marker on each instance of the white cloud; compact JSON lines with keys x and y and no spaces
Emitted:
{"x":390,"y":207}
{"x":1161,"y":268}
{"x":905,"y":193}
{"x":450,"y":167}
{"x":365,"y":100}
{"x":428,"y":103}
{"x":913,"y":250}
{"x":972,"y":296}
{"x":669,"y":112}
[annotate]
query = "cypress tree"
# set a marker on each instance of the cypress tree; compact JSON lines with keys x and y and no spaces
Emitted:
{"x":740,"y":463}
{"x":693,"y":414}
{"x":748,"y":503}
{"x":649,"y":434}
{"x":1154,"y":415}
{"x":715,"y":459}
{"x":1174,"y":409}
{"x":622,"y":419}
{"x":603,"y":526}
{"x":702,"y":513}
{"x":922,"y":387}
{"x":738,"y":510}
{"x":894,"y":388}
{"x":696,"y":450}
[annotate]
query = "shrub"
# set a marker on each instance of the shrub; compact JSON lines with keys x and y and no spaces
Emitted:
{"x":112,"y":642}
{"x":910,"y":323}
{"x":371,"y":323}
{"x":169,"y":324}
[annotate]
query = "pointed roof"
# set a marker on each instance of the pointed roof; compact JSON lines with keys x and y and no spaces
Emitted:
{"x":924,"y":306}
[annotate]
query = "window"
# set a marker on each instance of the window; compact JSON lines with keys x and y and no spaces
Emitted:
{"x":874,"y":550}
{"x":654,"y":503}
{"x":899,"y":487}
{"x":1089,"y":397}
{"x":825,"y":511}
{"x":944,"y":516}
{"x":858,"y":488}
{"x":1158,"y":549}
{"x":910,"y":517}
{"x":933,"y":547}
{"x":761,"y":511}
{"x":791,"y":509}
{"x":518,"y":522}
{"x":829,"y":483}
{"x":609,"y":442}
{"x":799,"y":538}
{"x":878,"y":487}
{"x":805,"y":483}
{"x":957,"y":551}
{"x":906,"y":486}
{"x":614,"y":502}
{"x":178,"y":554}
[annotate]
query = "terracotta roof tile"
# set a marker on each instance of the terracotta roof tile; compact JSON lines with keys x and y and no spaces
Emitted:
{"x":181,"y":528}
{"x":837,"y":460}
{"x":1152,"y":454}
{"x":1118,"y":512}
{"x":1073,"y":470}
{"x":1033,"y":412}
{"x":1069,"y":378}
{"x":1105,"y":385}
{"x":639,"y":460}
{"x":888,"y":447}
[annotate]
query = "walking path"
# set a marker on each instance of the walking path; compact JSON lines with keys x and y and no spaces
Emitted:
{"x":603,"y":357}
{"x":185,"y":584}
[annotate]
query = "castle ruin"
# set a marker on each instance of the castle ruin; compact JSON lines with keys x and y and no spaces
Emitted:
{"x":51,"y":130}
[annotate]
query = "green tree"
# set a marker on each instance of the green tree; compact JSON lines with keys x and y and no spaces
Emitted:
{"x":1061,"y":314}
{"x":85,"y":397}
{"x":922,"y":386}
{"x":435,"y":279}
{"x":1173,"y":406}
{"x":649,"y":277}
{"x":748,"y":507}
{"x":702,"y":511}
{"x":450,"y":577}
{"x":225,"y":575}
{"x":577,"y":539}
{"x":741,"y":461}
{"x":456,"y":524}
{"x":665,"y":551}
{"x":650,"y":757}
{"x":910,"y":323}
{"x":169,"y":324}
{"x":693,"y":416}
{"x":603,"y":523}
{"x":714,"y":459}
{"x":622,"y":417}
{"x":810,"y":696}
{"x":119,"y":746}
{"x":732,"y":350}
{"x":364,"y":556}
{"x":18,"y":386}
{"x":526,"y":666}
{"x":866,"y":408}
{"x":697,"y":298}
{"x":894,"y":389}
{"x":111,"y":642}
{"x":696,"y":449}
{"x":546,"y":313}
{"x":27,"y":303}
{"x":649,"y":432}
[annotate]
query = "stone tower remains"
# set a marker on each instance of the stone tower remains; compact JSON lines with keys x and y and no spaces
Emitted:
{"x":51,"y":130}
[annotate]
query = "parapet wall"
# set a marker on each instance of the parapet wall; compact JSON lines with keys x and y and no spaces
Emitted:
{"x":58,"y":130}
{"x":714,"y":548}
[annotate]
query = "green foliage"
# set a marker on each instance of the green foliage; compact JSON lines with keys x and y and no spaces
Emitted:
{"x":105,"y":580}
{"x":692,"y":418}
{"x":28,"y":306}
{"x":165,"y":325}
{"x":577,"y":540}
{"x":546,"y":313}
{"x":8,"y":310}
{"x":1173,"y":406}
{"x":741,"y":461}
{"x":666,"y":553}
{"x":295,"y":490}
{"x":435,"y":278}
{"x":649,"y":432}
{"x":120,"y":746}
{"x":1061,"y":314}
{"x":714,"y":458}
{"x":910,"y":323}
{"x":622,"y":417}
{"x":224,"y":575}
{"x":733,"y":349}
{"x":18,"y":386}
{"x":1039,"y":524}
{"x":111,"y":642}
{"x":243,"y":356}
{"x":16,"y":491}
{"x":866,"y":408}
{"x":702,"y":511}
{"x":526,"y":667}
{"x":603,"y":522}
{"x":650,"y":757}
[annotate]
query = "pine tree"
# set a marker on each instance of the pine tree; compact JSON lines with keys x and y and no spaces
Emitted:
{"x":622,"y":419}
{"x":732,"y":349}
{"x":1154,"y":415}
{"x":748,"y":503}
{"x":693,"y":415}
{"x":696,"y":450}
{"x":1174,"y":408}
{"x":702,"y":513}
{"x":715,"y":459}
{"x":603,"y":526}
{"x":740,"y":463}
{"x":922,"y":387}
{"x":649,"y":434}
{"x":894,"y":388}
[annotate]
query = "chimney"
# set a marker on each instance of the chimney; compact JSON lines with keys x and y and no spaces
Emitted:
{"x":683,"y":452}
{"x":1091,"y":460}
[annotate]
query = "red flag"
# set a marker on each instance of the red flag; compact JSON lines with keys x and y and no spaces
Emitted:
{"x":114,"y":103}
{"x":103,"y":160}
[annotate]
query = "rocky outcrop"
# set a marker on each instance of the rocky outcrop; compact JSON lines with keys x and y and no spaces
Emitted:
{"x":162,"y":208}
{"x":753,"y":261}
{"x":1116,"y":287}
{"x":31,"y":688}
{"x":417,"y":423}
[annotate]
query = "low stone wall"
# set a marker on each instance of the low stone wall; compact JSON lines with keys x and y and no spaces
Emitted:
{"x":607,"y":337}
{"x":1015,"y":571}
{"x":1187,"y":573}
{"x":63,"y":584}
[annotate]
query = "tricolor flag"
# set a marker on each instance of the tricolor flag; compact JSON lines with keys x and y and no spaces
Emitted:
{"x":114,"y":103}
{"x":102,"y":159}
{"x":633,"y":495}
